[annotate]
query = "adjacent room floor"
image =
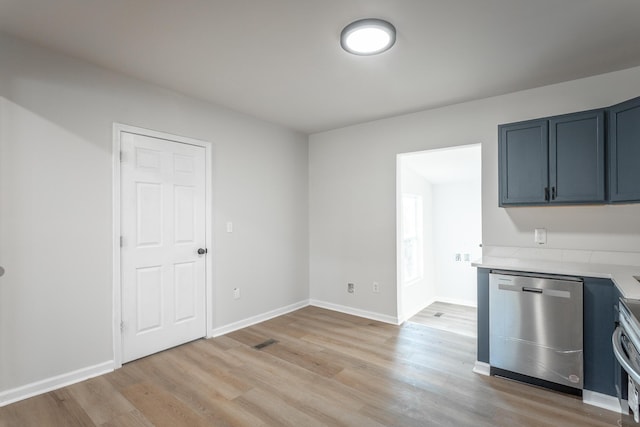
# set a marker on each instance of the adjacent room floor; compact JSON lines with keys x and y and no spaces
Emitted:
{"x":312,"y":367}
{"x":459,"y":319}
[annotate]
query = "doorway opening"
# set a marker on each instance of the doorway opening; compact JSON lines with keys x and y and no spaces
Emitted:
{"x":439,"y":229}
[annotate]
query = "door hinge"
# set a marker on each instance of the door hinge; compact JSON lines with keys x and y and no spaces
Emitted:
{"x":121,"y":241}
{"x":122,"y":156}
{"x":122,"y":326}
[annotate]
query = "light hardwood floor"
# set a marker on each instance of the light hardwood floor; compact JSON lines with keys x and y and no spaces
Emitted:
{"x":326,"y":368}
{"x":455,"y":318}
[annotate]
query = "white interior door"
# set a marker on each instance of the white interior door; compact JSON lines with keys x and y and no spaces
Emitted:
{"x":163,"y":228}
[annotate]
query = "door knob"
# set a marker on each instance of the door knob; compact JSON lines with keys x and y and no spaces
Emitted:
{"x":202,"y":251}
{"x":1,"y":271}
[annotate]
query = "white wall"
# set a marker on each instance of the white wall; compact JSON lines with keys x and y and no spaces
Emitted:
{"x":457,"y":228}
{"x":56,"y":116}
{"x":352,"y":193}
{"x":415,"y":296}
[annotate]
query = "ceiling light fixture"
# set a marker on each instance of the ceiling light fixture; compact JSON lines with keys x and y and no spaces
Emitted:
{"x":368,"y":37}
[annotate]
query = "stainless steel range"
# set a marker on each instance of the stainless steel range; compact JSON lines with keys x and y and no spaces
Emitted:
{"x":626,"y":346}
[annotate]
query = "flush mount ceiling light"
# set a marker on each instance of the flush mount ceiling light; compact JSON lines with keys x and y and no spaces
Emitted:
{"x":368,"y":36}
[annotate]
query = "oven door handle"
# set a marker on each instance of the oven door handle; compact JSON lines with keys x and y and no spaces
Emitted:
{"x":622,"y":357}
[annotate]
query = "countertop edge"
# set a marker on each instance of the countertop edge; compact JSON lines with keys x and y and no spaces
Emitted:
{"x":621,"y":275}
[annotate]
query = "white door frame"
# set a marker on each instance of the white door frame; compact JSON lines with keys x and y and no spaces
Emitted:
{"x":118,"y":128}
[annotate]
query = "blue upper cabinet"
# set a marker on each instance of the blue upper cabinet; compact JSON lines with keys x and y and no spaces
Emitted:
{"x":624,"y":152}
{"x":523,"y":161}
{"x":577,"y":158}
{"x":557,"y":160}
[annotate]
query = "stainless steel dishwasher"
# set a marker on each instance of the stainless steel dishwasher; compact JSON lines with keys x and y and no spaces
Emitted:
{"x":535,"y":326}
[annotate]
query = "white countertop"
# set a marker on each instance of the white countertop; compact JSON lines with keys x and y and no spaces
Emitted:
{"x":621,"y":275}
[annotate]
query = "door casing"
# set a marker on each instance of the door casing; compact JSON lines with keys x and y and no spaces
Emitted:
{"x":118,"y":129}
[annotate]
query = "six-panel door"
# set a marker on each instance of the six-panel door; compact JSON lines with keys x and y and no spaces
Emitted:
{"x":163,"y":226}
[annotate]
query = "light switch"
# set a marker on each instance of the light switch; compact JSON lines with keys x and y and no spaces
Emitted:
{"x":229,"y":227}
{"x":540,"y":236}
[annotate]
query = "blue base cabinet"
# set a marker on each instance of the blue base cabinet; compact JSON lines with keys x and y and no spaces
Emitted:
{"x":600,"y":308}
{"x":483,"y":315}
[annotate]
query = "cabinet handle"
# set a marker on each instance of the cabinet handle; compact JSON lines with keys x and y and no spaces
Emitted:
{"x":546,"y":193}
{"x":553,"y":193}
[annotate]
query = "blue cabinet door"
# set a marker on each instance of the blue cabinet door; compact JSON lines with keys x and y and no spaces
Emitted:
{"x":556,"y":160}
{"x":523,"y":154}
{"x":483,"y":316}
{"x":577,"y":158}
{"x":624,"y":152}
{"x":600,"y":300}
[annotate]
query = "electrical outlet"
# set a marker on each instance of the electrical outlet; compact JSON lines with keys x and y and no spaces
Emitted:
{"x":540,"y":236}
{"x":350,"y":288}
{"x":236,"y":293}
{"x":376,"y":287}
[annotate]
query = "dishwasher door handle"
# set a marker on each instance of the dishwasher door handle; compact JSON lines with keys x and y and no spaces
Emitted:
{"x":533,"y":290}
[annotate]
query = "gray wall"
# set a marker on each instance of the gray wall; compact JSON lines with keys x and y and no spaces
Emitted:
{"x":56,"y":117}
{"x":457,"y":229}
{"x":353,"y":195}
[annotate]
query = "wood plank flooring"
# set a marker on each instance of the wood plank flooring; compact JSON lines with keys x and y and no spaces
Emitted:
{"x":326,"y":369}
{"x":455,"y":318}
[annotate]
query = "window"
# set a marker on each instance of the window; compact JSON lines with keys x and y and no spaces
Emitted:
{"x":412,"y":263}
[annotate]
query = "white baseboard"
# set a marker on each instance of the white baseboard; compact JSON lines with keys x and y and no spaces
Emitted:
{"x":482,"y":368}
{"x":257,"y":319}
{"x":406,"y":316}
{"x":430,"y":301}
{"x":355,"y":312}
{"x":601,"y":400}
{"x":53,"y":383}
{"x":589,"y":397}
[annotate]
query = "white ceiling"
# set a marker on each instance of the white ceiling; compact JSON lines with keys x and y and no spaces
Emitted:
{"x":280,"y":60}
{"x":448,"y":165}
